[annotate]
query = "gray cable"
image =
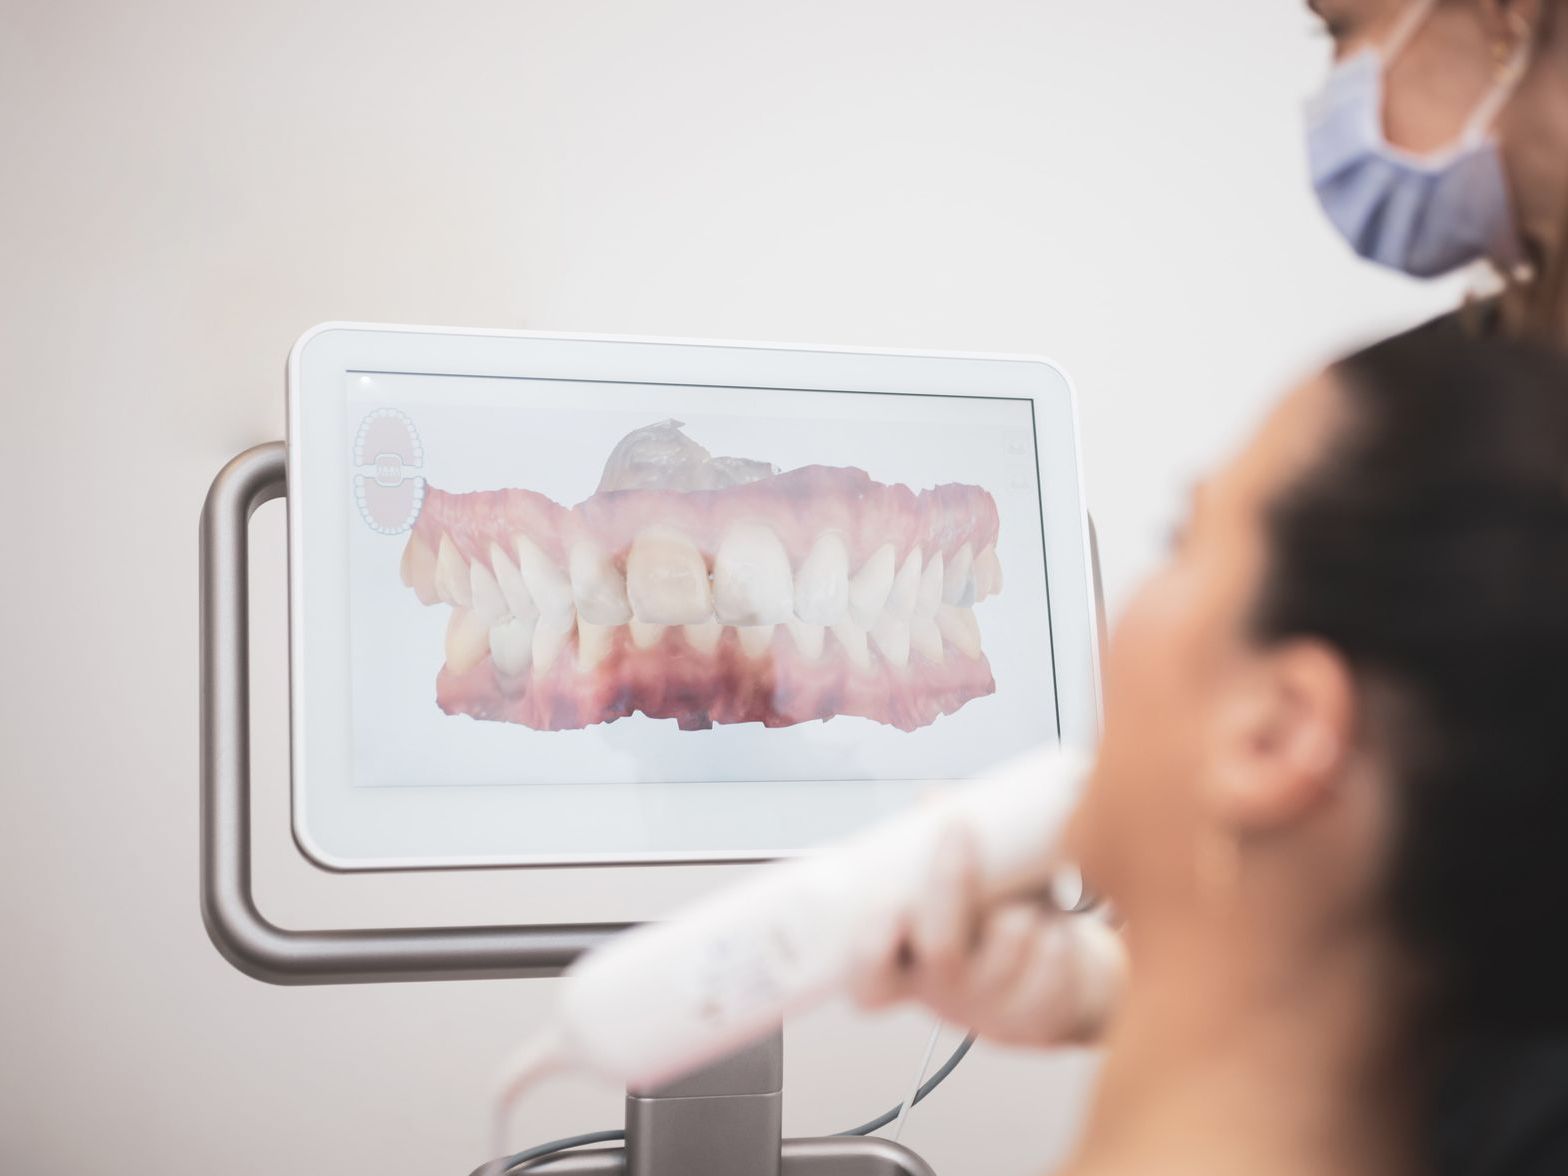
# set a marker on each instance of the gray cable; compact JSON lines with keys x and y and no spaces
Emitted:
{"x":931,"y":1084}
{"x":540,"y":1151}
{"x":510,"y":1165}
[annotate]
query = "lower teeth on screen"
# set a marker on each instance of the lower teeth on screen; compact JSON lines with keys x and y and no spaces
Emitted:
{"x":711,"y":592}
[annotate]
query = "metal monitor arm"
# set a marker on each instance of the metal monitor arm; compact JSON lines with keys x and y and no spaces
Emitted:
{"x":245,"y":936}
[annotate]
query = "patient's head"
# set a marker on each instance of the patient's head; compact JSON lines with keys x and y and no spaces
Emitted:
{"x":1341,"y":708}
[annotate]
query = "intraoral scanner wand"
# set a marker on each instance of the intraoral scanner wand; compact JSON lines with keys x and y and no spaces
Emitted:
{"x":666,"y":998}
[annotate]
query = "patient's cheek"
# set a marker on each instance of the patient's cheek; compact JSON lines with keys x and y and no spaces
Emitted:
{"x":1145,"y":666}
{"x":1156,"y":691}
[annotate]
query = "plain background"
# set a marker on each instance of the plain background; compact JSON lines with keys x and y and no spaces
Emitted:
{"x":187,"y":185}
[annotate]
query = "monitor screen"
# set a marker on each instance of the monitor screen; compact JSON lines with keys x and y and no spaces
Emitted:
{"x":584,"y":582}
{"x":573,"y":600}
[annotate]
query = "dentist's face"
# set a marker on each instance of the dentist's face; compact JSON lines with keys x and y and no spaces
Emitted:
{"x":1183,"y":675}
{"x":1451,"y":62}
{"x":1443,"y":73}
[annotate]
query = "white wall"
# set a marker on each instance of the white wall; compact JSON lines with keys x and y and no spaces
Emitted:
{"x":188,"y":185}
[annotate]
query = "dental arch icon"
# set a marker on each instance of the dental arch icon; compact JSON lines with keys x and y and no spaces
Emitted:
{"x":388,"y":488}
{"x":709,"y":590}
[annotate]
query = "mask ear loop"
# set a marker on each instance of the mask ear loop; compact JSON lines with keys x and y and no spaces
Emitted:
{"x":1509,"y":74}
{"x":1405,"y":30}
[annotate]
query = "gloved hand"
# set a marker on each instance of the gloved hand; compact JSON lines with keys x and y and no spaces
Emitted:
{"x":1018,"y":972}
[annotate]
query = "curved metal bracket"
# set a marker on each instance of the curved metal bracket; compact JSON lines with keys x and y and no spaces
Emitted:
{"x":238,"y":929}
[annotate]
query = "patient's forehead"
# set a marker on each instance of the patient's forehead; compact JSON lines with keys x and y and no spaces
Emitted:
{"x":1289,"y":441}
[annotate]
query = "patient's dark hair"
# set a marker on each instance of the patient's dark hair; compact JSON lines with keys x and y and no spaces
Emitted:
{"x":1429,"y":545}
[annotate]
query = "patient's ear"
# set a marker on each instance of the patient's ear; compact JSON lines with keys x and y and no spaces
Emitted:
{"x":1282,"y":738}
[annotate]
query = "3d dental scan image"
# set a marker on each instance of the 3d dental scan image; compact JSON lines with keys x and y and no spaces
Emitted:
{"x":709,"y":590}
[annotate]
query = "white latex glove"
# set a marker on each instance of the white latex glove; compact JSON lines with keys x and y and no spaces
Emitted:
{"x":1017,"y":972}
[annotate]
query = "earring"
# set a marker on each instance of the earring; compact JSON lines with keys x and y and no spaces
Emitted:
{"x":1504,"y":49}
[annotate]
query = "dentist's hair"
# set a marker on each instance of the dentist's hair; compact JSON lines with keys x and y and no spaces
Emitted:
{"x":1537,"y":307}
{"x":1430,"y":547}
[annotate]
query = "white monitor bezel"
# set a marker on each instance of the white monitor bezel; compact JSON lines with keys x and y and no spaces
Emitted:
{"x":341,"y":827}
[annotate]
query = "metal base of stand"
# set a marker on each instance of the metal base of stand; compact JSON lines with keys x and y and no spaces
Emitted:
{"x":726,"y":1120}
{"x":833,"y":1156}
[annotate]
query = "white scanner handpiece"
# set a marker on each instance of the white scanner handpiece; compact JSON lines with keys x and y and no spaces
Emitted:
{"x":665,"y":998}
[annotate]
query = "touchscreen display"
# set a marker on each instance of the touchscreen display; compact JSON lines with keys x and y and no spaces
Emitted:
{"x":573,"y":582}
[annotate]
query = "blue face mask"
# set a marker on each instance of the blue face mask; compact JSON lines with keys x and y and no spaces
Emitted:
{"x":1423,"y":214}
